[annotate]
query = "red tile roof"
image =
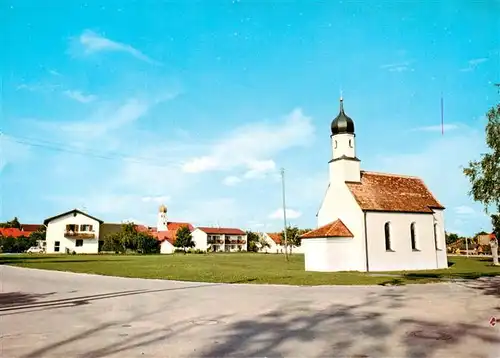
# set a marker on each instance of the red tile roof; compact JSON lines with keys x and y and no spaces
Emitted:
{"x":221,"y":230}
{"x":30,"y":227}
{"x":14,"y":232}
{"x":275,"y":236}
{"x":170,"y":235}
{"x":391,"y":192}
{"x":333,"y":229}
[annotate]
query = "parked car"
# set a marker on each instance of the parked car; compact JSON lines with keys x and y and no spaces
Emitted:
{"x":35,"y":250}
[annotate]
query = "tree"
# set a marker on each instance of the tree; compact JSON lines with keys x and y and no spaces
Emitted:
{"x":451,"y":238}
{"x":39,"y":234}
{"x":293,"y":234}
{"x":253,"y":241}
{"x":113,"y":242}
{"x":129,"y":236}
{"x":184,"y":238}
{"x":16,"y":245}
{"x":484,"y":174}
{"x":146,"y":244}
{"x":14,"y":223}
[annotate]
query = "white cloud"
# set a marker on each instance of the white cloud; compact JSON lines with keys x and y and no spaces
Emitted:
{"x":93,"y":42}
{"x":440,"y":164}
{"x":54,"y":73}
{"x":472,"y":64}
{"x":231,"y":180}
{"x":106,"y":117}
{"x":259,"y":168}
{"x":290,"y":214}
{"x":252,"y":145}
{"x":79,"y":96}
{"x":38,"y":87}
{"x":397,"y":67}
{"x":464,"y":210}
{"x":437,"y":128}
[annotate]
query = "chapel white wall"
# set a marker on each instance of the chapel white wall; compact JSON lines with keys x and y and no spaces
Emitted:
{"x":339,"y":203}
{"x":402,"y":257}
{"x":331,"y":254}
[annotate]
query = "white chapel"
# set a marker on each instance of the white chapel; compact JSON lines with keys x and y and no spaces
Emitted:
{"x":373,"y":221}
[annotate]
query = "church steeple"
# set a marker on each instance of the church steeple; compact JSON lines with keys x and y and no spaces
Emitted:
{"x":344,"y":165}
{"x":342,"y":123}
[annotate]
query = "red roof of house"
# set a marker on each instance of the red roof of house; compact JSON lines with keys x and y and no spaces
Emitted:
{"x":13,"y":232}
{"x":275,"y":236}
{"x":30,"y":227}
{"x":334,"y":229}
{"x":171,"y":233}
{"x":222,"y":230}
{"x":391,"y":192}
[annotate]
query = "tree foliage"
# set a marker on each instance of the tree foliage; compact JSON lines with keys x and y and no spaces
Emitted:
{"x":14,"y":223}
{"x":293,"y":234}
{"x":253,"y":241}
{"x":183,"y":238}
{"x":484,"y":174}
{"x":451,"y":238}
{"x":16,"y":245}
{"x":495,"y":222}
{"x":39,"y":234}
{"x":129,"y":239}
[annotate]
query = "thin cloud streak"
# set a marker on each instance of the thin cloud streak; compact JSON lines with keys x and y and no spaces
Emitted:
{"x":93,"y":43}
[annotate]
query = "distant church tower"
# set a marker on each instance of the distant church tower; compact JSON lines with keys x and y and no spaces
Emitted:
{"x":344,"y":166}
{"x":162,"y":219}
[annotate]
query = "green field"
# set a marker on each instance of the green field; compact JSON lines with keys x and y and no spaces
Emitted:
{"x":240,"y":268}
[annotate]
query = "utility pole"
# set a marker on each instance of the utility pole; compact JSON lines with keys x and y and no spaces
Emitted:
{"x":284,"y":211}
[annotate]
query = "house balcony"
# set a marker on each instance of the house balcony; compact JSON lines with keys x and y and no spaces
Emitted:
{"x":79,"y":235}
{"x":215,"y":242}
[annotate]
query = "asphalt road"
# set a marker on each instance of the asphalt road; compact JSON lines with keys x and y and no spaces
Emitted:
{"x":57,"y":314}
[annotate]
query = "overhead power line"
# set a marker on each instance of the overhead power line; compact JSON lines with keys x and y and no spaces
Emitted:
{"x":60,"y":147}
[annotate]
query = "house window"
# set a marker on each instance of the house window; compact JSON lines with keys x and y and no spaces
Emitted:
{"x":86,"y":227}
{"x":350,"y":143}
{"x":72,"y":227}
{"x":56,"y":246}
{"x":413,"y":236}
{"x":387,"y":231}
{"x":436,"y":237}
{"x":79,"y":243}
{"x":335,"y":145}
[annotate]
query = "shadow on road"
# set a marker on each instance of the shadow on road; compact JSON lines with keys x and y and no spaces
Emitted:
{"x":370,"y":328}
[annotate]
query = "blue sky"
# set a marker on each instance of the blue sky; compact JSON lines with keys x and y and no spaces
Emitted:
{"x":120,"y":107}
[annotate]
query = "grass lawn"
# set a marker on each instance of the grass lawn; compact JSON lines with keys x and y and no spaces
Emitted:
{"x":240,"y":268}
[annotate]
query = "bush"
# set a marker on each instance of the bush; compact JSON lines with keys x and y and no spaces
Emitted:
{"x":16,"y":245}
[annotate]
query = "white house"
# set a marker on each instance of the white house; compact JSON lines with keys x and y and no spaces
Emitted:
{"x":273,"y":239}
{"x":219,"y":239}
{"x":373,"y":221}
{"x":71,"y":231}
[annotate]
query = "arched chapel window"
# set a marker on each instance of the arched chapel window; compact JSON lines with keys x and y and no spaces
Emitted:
{"x":436,"y":236}
{"x":413,"y":236}
{"x":387,"y":231}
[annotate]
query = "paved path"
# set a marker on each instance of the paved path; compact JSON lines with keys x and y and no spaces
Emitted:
{"x":58,"y":314}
